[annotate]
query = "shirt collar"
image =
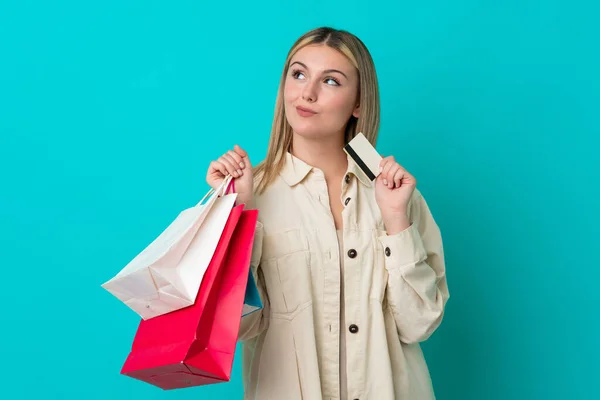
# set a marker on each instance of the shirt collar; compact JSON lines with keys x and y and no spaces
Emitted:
{"x":295,"y":170}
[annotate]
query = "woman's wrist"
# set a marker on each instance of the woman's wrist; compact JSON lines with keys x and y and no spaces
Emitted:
{"x":247,"y":201}
{"x":396,"y":223}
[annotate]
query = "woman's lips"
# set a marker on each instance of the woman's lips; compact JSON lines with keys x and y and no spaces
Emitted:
{"x":305,"y":112}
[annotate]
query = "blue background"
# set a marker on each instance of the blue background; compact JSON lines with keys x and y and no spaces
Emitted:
{"x":110,"y":112}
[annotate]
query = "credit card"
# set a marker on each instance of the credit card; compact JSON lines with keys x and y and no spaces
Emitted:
{"x":364,"y":155}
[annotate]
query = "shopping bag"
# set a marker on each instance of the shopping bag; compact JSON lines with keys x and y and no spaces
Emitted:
{"x":252,"y":301}
{"x":166,"y":275}
{"x":196,"y":345}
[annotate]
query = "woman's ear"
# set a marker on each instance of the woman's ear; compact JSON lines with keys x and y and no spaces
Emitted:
{"x":356,"y":111}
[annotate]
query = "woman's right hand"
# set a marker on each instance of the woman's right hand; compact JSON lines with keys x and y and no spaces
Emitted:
{"x":237,"y":164}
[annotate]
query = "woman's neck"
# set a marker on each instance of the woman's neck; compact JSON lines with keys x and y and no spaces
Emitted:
{"x":325,"y":154}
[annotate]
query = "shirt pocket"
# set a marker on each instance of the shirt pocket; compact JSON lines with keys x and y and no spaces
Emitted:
{"x":286,"y":259}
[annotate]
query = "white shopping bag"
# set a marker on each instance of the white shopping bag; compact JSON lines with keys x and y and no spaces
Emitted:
{"x":167,"y":274}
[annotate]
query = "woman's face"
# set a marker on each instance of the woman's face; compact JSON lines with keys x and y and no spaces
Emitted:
{"x":320,"y":92}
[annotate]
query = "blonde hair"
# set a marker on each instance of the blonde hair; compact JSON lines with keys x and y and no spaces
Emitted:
{"x":368,"y":96}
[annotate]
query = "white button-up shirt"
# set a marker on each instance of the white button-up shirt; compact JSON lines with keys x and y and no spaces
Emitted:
{"x":394,"y":293}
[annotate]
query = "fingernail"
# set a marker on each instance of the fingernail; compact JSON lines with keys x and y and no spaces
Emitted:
{"x":385,"y":181}
{"x":239,"y":172}
{"x":241,"y":165}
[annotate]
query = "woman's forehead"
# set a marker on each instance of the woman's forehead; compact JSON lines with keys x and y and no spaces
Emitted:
{"x":322,"y":57}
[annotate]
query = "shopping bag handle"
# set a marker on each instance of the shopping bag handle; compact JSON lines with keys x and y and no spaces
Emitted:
{"x":230,"y":186}
{"x":221,"y":190}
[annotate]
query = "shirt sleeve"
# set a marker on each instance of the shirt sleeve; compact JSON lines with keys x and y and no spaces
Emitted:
{"x":256,"y":322}
{"x":417,"y":289}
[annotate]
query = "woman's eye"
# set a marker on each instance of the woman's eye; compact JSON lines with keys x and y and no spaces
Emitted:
{"x":298,"y":74}
{"x":329,"y":81}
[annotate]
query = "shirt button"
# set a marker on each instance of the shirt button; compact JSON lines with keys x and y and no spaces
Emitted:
{"x":388,"y":252}
{"x":347,"y":201}
{"x":351,"y":253}
{"x":353,"y":328}
{"x":347,"y":178}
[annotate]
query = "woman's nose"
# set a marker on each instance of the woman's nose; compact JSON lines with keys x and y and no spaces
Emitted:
{"x":309,"y":93}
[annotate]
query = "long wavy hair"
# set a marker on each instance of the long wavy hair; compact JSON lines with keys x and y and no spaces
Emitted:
{"x":368,"y":94}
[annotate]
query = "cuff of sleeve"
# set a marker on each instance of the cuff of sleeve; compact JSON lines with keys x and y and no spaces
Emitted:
{"x":403,"y":249}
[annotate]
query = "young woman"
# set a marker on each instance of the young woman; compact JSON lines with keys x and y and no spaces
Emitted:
{"x":351,"y":271}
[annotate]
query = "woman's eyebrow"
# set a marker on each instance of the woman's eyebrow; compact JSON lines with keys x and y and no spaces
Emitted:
{"x":327,"y":71}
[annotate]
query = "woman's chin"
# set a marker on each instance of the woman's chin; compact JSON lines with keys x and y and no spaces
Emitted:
{"x":307,"y":130}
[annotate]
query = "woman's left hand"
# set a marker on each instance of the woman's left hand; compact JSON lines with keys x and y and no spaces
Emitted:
{"x":393,"y":189}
